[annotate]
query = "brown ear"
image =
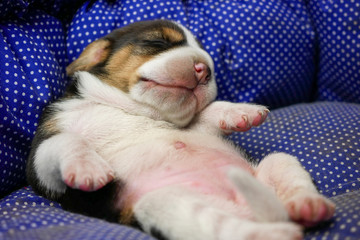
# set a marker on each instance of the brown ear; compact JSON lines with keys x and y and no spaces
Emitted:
{"x":94,"y":53}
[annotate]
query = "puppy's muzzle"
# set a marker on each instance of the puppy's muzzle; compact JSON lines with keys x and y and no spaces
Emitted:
{"x":202,"y":73}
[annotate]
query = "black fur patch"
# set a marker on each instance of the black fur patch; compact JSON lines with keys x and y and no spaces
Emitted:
{"x":157,"y":233}
{"x":145,"y":35}
{"x":72,"y":89}
{"x":145,"y":38}
{"x":136,"y":224}
{"x":100,"y":204}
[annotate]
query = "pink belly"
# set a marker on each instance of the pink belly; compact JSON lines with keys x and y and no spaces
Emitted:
{"x":204,"y":172}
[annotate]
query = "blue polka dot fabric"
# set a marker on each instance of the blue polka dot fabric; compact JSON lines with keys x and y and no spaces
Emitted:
{"x":276,"y":53}
{"x":337,"y":24}
{"x":32,"y":73}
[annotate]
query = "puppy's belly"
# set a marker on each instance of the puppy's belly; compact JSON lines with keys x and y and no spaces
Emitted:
{"x":202,"y":171}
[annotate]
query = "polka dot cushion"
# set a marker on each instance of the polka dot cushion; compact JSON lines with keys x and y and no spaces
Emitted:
{"x":337,"y":24}
{"x":263,"y":50}
{"x":324,"y":136}
{"x":24,"y":215}
{"x":32,"y":73}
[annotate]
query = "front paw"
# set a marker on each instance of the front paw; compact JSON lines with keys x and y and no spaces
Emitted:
{"x":309,"y":209}
{"x":87,"y":173}
{"x":242,"y":117}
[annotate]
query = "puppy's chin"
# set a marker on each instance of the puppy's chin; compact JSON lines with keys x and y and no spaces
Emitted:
{"x":177,"y":105}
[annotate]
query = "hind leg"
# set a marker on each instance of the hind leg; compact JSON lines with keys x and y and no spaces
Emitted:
{"x":66,"y":158}
{"x":294,"y":187}
{"x":176,"y":213}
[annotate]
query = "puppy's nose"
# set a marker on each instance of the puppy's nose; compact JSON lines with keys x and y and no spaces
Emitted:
{"x":202,"y":72}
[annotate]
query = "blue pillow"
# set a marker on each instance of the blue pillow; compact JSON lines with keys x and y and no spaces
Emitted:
{"x":263,"y":50}
{"x":32,"y":73}
{"x":337,"y":24}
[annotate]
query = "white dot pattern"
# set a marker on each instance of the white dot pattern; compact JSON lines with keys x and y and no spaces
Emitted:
{"x":275,"y":53}
{"x":32,"y":72}
{"x":338,"y":27}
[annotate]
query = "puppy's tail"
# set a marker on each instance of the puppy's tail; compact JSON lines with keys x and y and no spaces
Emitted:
{"x":263,"y":202}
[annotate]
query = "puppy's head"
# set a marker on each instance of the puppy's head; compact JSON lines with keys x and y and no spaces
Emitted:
{"x":157,"y":63}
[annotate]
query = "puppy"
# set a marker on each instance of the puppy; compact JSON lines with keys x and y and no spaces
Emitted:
{"x":137,"y":139}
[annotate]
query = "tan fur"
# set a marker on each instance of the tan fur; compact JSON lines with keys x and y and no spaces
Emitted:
{"x":173,"y":35}
{"x":127,"y":216}
{"x":51,"y":126}
{"x":94,"y":53}
{"x":121,"y":69}
{"x":122,"y":66}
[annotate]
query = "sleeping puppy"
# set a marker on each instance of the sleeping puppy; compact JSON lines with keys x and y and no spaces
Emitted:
{"x":137,"y":139}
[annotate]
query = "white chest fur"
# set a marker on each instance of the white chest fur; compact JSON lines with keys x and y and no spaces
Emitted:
{"x":136,"y":142}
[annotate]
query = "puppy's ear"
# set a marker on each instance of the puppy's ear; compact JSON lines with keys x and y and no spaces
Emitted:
{"x":95,"y":53}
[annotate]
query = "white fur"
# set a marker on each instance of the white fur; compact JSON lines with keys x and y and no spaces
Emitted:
{"x":181,"y":214}
{"x":102,"y":127}
{"x":252,"y":189}
{"x":55,"y":158}
{"x":96,"y":91}
{"x":47,"y":163}
{"x":230,"y":113}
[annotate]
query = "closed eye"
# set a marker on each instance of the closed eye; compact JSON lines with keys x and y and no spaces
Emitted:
{"x":157,"y":43}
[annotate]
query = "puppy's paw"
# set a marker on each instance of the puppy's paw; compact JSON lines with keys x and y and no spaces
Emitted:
{"x":242,"y":117}
{"x":309,"y":209}
{"x":283,"y":231}
{"x":88,"y":173}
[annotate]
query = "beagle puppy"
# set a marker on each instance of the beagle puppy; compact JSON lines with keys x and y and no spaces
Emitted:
{"x":138,"y":139}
